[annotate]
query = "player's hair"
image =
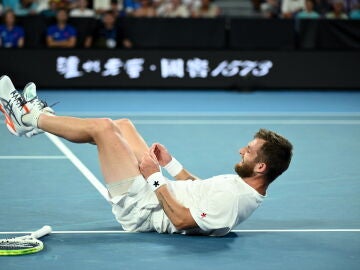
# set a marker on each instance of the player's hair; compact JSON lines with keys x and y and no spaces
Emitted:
{"x":276,"y":153}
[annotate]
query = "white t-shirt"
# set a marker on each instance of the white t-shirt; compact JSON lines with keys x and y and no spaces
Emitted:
{"x":217,"y":204}
{"x":86,"y":13}
{"x":292,"y":6}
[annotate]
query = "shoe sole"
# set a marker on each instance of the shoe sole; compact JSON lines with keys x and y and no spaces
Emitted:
{"x":9,"y":123}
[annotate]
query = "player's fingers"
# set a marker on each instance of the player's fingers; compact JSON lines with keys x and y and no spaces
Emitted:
{"x":153,"y":146}
{"x":153,"y":156}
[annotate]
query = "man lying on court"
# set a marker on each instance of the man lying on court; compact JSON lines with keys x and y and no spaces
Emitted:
{"x":142,"y":198}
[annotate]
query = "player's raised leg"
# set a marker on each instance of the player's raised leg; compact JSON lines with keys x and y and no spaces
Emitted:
{"x":116,"y":158}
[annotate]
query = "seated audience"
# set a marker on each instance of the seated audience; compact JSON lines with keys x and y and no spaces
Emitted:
{"x":42,"y":5}
{"x":51,"y":10}
{"x":176,"y":10}
{"x":10,"y":4}
{"x":146,"y":9}
{"x":11,"y":36}
{"x":270,"y":9}
{"x":61,"y":35}
{"x":206,"y":10}
{"x":82,"y":10}
{"x":192,"y":4}
{"x":26,"y":7}
{"x":322,"y":7}
{"x":338,"y":11}
{"x":355,"y":13}
{"x":108,"y":35}
{"x":309,"y":12}
{"x":102,"y":6}
{"x":129,"y":6}
{"x":289,"y":8}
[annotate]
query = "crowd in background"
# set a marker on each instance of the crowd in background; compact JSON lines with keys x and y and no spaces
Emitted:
{"x":135,"y":8}
{"x":339,"y":9}
{"x":308,"y":9}
{"x":108,"y":34}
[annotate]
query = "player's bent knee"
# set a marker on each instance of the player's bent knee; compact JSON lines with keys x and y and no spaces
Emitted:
{"x":124,"y":123}
{"x":102,"y":125}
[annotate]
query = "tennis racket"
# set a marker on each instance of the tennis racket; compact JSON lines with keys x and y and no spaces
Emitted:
{"x":24,"y":244}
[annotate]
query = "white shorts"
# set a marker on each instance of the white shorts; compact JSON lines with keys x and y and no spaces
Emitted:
{"x":134,"y":209}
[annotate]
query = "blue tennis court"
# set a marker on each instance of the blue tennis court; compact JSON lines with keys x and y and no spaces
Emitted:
{"x":309,"y":220}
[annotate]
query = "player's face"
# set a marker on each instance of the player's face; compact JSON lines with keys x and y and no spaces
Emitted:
{"x":249,"y":153}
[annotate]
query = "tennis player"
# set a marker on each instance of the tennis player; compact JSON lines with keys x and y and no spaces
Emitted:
{"x":142,"y":198}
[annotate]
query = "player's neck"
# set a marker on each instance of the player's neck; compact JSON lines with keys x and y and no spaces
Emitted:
{"x":258,"y":183}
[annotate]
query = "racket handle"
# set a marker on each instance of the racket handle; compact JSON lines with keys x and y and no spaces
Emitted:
{"x":41,"y":232}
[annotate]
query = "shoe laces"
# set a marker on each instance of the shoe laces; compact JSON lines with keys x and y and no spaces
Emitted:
{"x":39,"y":103}
{"x":17,"y":99}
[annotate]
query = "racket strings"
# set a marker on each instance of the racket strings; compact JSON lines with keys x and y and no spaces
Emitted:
{"x":14,"y":244}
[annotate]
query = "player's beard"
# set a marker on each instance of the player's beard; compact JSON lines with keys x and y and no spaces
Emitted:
{"x":245,"y":169}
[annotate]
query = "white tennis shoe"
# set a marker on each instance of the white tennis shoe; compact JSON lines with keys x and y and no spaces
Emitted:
{"x":13,"y":106}
{"x":33,"y":102}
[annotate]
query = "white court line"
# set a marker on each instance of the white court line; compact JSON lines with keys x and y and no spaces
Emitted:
{"x":79,"y":165}
{"x":246,"y":122}
{"x":211,"y":114}
{"x":33,"y":157}
{"x":235,"y":231}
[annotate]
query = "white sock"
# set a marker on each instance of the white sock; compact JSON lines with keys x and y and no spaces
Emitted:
{"x":32,"y":118}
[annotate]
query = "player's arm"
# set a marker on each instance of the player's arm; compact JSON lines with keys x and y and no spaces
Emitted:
{"x":178,"y":214}
{"x":170,"y":163}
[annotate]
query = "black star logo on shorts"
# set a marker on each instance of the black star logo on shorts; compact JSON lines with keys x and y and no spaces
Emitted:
{"x":156,"y":184}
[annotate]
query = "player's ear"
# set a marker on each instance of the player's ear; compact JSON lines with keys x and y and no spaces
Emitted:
{"x":260,"y":167}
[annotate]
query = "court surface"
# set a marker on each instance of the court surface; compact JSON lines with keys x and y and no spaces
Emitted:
{"x":309,"y":220}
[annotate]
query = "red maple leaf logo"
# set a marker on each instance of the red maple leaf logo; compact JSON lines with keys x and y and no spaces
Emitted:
{"x":203,"y":215}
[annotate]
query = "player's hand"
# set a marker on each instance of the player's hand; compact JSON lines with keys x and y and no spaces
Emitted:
{"x":161,"y":153}
{"x":149,"y":165}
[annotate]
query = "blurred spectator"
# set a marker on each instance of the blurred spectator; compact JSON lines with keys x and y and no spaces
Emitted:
{"x":42,"y":5}
{"x":350,"y":5}
{"x":10,"y":4}
{"x":146,"y":9}
{"x":117,"y":9}
{"x":322,"y":7}
{"x":129,"y":6}
{"x":162,"y":6}
{"x":109,"y":34}
{"x":1,"y":9}
{"x":102,"y":6}
{"x":82,"y":10}
{"x":26,"y":7}
{"x":309,"y":12}
{"x":11,"y":36}
{"x":289,"y":8}
{"x":355,"y":13}
{"x":206,"y":10}
{"x":61,"y":35}
{"x":270,"y":9}
{"x":51,"y":10}
{"x":176,"y":10}
{"x":338,"y":11}
{"x":192,"y":4}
